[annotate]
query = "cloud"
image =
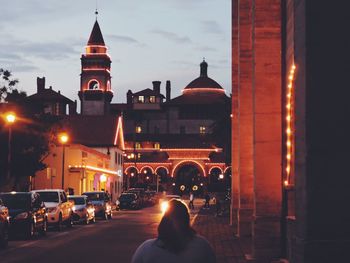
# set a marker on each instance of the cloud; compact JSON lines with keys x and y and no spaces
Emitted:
{"x":172,"y":36}
{"x":206,"y":49}
{"x":211,"y":27}
{"x":125,"y":39}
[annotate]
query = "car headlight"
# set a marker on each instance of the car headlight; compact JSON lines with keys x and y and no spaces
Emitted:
{"x":117,"y":202}
{"x":74,"y":208}
{"x":52,"y":209}
{"x":164,"y":206}
{"x":22,"y":216}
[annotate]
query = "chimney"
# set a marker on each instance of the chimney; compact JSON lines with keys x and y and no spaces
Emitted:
{"x":168,"y":90}
{"x":40,"y":83}
{"x":73,"y":108}
{"x":156,"y":86}
{"x":129,"y":97}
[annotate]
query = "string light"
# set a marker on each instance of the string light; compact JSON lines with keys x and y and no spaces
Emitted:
{"x":289,"y":125}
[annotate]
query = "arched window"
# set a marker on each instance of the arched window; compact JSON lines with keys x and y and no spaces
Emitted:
{"x":93,"y":84}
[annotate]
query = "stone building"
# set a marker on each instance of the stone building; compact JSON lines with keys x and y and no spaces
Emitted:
{"x":290,"y":133}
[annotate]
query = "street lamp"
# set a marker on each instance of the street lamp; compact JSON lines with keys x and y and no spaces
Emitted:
{"x":10,"y":118}
{"x":63,"y":138}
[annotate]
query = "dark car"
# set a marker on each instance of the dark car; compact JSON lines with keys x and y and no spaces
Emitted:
{"x":83,"y":210}
{"x":27,"y":213}
{"x":129,"y":201}
{"x":102,"y":203}
{"x":4,"y":225}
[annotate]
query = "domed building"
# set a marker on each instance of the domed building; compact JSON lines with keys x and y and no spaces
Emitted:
{"x":170,"y":143}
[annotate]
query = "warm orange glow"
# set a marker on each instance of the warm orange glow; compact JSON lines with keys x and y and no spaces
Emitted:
{"x":202,"y":90}
{"x":215,"y":167}
{"x":289,"y":125}
{"x":188,"y":161}
{"x":10,"y":117}
{"x":103,"y":178}
{"x":119,"y":134}
{"x":63,"y":137}
{"x":191,"y":150}
{"x":93,"y":168}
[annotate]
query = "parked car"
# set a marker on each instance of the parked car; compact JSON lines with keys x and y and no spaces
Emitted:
{"x":140,"y":193}
{"x":83,"y":210}
{"x":163,"y":201}
{"x":102,"y":203}
{"x":27,"y":213}
{"x":4,"y":225}
{"x":129,"y":201}
{"x":59,"y":209}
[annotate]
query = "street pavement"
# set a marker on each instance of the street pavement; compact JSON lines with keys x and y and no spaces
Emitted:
{"x":116,"y":240}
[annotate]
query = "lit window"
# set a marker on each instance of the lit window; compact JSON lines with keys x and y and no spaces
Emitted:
{"x":138,"y":145}
{"x":93,"y":84}
{"x":141,"y":99}
{"x":138,"y":129}
{"x":139,"y":155}
{"x":157,"y":146}
{"x":152,"y":99}
{"x":202,"y":129}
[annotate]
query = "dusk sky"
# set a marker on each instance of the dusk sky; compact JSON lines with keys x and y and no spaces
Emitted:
{"x":147,"y":39}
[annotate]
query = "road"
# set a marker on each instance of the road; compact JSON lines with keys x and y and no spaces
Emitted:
{"x":104,"y":241}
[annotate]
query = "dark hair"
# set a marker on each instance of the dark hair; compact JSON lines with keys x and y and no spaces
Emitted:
{"x":174,"y":229}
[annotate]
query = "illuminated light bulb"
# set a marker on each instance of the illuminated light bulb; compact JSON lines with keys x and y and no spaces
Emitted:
{"x":287,"y":169}
{"x":285,"y":183}
{"x":288,"y":131}
{"x":290,"y":85}
{"x":288,"y":156}
{"x":289,"y":95}
{"x":289,"y":144}
{"x":288,"y":118}
{"x":290,"y":77}
{"x":293,"y":67}
{"x":288,"y":106}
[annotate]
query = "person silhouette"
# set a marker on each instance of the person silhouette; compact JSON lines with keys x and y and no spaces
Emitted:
{"x":177,"y":241}
{"x":191,"y":205}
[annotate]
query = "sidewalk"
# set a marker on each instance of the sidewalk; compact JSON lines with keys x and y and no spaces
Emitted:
{"x":220,"y":234}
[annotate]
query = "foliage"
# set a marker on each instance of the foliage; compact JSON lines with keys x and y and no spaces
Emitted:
{"x":31,"y":135}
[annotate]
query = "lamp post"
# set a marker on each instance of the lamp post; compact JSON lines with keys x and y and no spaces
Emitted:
{"x":10,"y":119}
{"x":63,"y":138}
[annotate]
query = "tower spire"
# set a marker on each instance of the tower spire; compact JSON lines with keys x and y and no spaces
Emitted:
{"x":96,"y":10}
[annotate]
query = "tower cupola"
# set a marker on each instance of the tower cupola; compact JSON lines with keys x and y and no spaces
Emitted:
{"x":95,"y":86}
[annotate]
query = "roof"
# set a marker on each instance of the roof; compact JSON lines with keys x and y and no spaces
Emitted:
{"x":148,"y":92}
{"x":200,"y":98}
{"x":96,"y":37}
{"x":48,"y":95}
{"x":94,"y":131}
{"x":203,"y":81}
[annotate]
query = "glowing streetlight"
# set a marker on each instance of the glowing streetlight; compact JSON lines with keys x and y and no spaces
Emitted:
{"x":221,"y":176}
{"x":63,"y":138}
{"x":10,"y":118}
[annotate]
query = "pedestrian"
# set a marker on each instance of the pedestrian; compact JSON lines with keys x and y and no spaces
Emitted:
{"x":207,"y":200}
{"x":217,"y":205}
{"x":177,"y":241}
{"x":191,"y":205}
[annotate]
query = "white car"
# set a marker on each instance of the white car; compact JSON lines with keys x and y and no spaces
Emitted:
{"x":59,"y":209}
{"x":163,"y":201}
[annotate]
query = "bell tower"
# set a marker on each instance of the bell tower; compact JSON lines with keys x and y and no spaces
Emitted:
{"x":95,"y":79}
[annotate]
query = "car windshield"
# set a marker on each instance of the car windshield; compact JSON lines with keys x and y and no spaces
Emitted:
{"x":16,"y":201}
{"x":77,"y":200}
{"x":127,"y":197}
{"x":95,"y":196}
{"x":49,"y":196}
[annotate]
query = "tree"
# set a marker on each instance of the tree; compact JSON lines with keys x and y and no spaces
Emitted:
{"x":31,"y":136}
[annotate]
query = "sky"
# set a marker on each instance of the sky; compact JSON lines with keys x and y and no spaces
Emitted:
{"x":147,"y":40}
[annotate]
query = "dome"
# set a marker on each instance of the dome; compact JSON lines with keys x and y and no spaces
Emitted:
{"x":203,"y":82}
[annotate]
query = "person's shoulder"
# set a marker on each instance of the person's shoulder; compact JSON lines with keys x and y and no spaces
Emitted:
{"x":142,"y":250}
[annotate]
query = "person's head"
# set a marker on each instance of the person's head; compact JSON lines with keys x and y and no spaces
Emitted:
{"x":174,"y":228}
